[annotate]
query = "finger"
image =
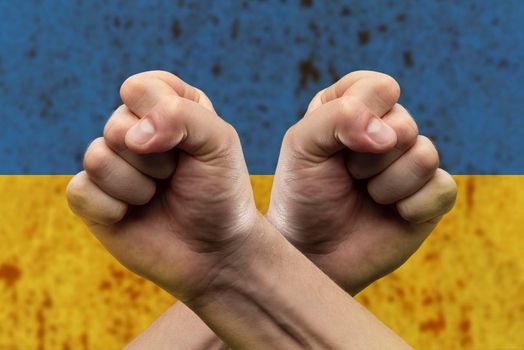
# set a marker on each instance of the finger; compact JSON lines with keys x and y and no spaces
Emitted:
{"x":366,"y":165}
{"x":204,"y":100}
{"x":178,"y":122}
{"x":92,"y":204}
{"x":376,"y":90}
{"x":316,"y":101}
{"x":432,"y":201}
{"x":341,"y":123}
{"x":158,"y":166}
{"x":142,"y":91}
{"x":406,"y":175}
{"x":115,"y":176}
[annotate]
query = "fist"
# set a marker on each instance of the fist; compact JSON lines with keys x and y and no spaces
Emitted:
{"x":166,"y":189}
{"x":357,"y":189}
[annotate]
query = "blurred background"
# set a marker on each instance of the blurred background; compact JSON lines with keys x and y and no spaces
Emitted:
{"x":459,"y":64}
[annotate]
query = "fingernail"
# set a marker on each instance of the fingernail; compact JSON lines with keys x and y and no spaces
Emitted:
{"x":379,"y":131}
{"x":141,"y":132}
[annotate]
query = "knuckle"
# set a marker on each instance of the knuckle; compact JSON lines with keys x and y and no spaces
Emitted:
{"x":290,"y":133}
{"x":232,"y":132}
{"x":348,"y":104}
{"x":115,"y":131}
{"x":295,"y":145}
{"x":425,"y":156}
{"x":352,"y":112}
{"x":387,"y":88}
{"x":76,"y":191}
{"x":230,"y":139}
{"x":292,"y":142}
{"x":406,"y":129}
{"x":114,"y":215}
{"x":200,"y":95}
{"x":170,"y":105}
{"x":406,"y":211}
{"x":96,"y":158}
{"x":379,"y":196}
{"x":133,"y":88}
{"x":447,"y":191}
{"x":356,"y":171}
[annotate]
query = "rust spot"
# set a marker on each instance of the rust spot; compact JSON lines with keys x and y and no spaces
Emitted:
{"x":365,"y":301}
{"x":306,"y":3}
{"x":31,"y":53}
{"x":465,"y":325}
{"x":216,"y":69}
{"x":427,"y":300}
{"x":117,"y":275}
{"x":382,"y":28}
{"x":10,"y":274}
{"x":104,"y":285}
{"x":432,"y":256}
{"x":466,"y":308}
{"x":233,"y":33}
{"x":133,"y":294}
{"x":262,"y":108}
{"x":435,"y":325}
{"x":503,"y":63}
{"x":314,"y":28}
{"x":345,"y":12}
{"x":40,"y":332}
{"x":465,"y":341}
{"x":400,"y":292}
{"x":438,"y":297}
{"x":363,"y":37}
{"x":47,"y":303}
{"x":84,"y":341}
{"x":400,"y":17}
{"x":332,"y":70}
{"x":128,"y":336}
{"x":65,"y":346}
{"x":307,"y":71}
{"x":176,"y":31}
{"x":470,"y":194}
{"x":408,"y":59}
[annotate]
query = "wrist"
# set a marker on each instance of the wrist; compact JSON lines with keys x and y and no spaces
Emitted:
{"x":259,"y":286}
{"x":249,"y":291}
{"x":243,"y":266}
{"x":268,"y":283}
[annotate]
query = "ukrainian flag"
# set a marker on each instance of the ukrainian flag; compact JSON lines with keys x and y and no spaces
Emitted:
{"x":460,"y":68}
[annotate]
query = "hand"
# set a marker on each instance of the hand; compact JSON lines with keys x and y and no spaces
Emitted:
{"x":356,"y":188}
{"x":166,"y":190}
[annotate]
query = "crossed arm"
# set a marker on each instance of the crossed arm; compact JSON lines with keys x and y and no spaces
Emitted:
{"x":356,"y":191}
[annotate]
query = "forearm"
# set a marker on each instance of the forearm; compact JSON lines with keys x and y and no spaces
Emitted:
{"x":278,"y":299}
{"x":178,"y":328}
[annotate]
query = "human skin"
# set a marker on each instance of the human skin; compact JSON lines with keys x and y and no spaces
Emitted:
{"x":356,"y":209}
{"x":198,"y":235}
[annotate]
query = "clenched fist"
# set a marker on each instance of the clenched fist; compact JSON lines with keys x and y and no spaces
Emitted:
{"x":166,"y":190}
{"x":356,"y":188}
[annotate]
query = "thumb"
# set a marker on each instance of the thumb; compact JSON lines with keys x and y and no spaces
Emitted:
{"x":179,"y":122}
{"x":344,"y":122}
